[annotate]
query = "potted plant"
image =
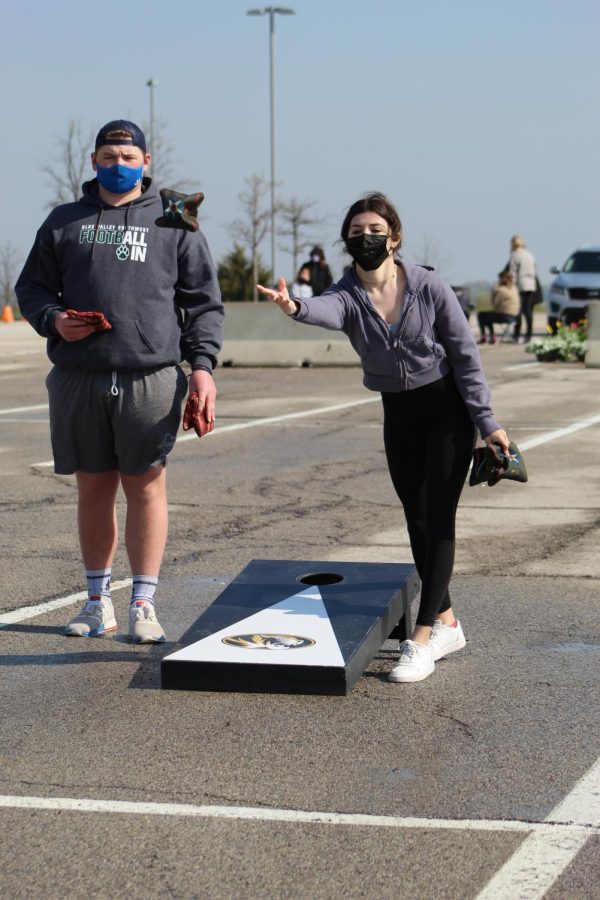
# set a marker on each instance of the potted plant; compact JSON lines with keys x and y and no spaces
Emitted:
{"x":569,"y":344}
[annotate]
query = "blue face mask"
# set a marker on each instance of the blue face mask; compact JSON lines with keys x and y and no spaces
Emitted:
{"x":119,"y":179}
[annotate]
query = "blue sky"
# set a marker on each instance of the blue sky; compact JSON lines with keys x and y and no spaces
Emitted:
{"x":479,"y":119}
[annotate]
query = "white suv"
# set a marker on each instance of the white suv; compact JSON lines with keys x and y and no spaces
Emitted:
{"x":576,"y":286}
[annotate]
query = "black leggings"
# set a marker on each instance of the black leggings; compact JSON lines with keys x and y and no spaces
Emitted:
{"x":527,"y":300}
{"x":429,"y":439}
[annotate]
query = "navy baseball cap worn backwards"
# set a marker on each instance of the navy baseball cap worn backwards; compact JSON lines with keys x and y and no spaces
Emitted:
{"x":137,"y":135}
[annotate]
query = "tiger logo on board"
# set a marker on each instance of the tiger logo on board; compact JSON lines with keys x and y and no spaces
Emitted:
{"x":268,"y":641}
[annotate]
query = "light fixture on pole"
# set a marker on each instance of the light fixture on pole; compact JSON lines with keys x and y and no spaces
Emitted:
{"x":271,"y":12}
{"x":151,"y":83}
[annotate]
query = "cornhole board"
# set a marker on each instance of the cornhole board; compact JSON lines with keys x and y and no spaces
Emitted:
{"x":294,"y":627}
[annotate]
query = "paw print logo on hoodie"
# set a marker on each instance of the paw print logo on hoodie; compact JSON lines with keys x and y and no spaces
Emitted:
{"x":122,"y":252}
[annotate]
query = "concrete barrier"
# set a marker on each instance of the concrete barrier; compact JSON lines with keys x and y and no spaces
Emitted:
{"x":592,"y":356}
{"x":258,"y":334}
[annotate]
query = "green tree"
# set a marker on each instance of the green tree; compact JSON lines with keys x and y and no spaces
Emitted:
{"x":236,"y":275}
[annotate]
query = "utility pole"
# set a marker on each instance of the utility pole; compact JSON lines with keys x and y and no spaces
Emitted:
{"x":271,"y":12}
{"x":151,"y":83}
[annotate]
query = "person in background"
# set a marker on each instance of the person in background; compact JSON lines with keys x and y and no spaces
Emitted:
{"x":463,"y":297}
{"x":121,"y":302}
{"x":506,"y":306}
{"x":521,"y":265}
{"x":301,"y":286}
{"x":320,"y":273}
{"x":417,"y":350}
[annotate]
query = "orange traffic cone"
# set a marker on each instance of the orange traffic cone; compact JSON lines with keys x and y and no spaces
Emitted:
{"x":7,"y":314}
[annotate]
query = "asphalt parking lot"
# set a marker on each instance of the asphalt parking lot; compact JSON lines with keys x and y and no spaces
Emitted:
{"x":481,"y":782}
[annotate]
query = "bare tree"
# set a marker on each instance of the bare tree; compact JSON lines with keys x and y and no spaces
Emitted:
{"x":296,"y":215}
{"x":8,"y":272}
{"x":250,"y":229}
{"x":430,"y":252}
{"x":66,"y":172}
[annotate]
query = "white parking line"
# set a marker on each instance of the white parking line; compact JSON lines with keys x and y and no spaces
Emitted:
{"x":269,"y":420}
{"x":560,"y":432}
{"x":20,"y":409}
{"x":544,"y":855}
{"x":39,"y":352}
{"x":13,"y":367}
{"x":520,"y":366}
{"x":297,"y":816}
{"x":255,"y":423}
{"x":29,"y":612}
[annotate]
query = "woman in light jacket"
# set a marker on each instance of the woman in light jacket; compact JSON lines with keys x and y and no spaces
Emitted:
{"x":521,"y":265}
{"x":417,"y":349}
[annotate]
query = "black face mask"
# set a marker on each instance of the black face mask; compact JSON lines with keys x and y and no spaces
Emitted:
{"x":368,"y":250}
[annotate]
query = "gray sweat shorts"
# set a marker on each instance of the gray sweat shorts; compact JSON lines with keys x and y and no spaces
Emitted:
{"x":101,"y":421}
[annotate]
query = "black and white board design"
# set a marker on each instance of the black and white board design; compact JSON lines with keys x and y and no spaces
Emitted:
{"x":286,"y":626}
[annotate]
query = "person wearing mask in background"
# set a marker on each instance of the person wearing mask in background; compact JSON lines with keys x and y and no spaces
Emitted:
{"x":417,"y":350}
{"x":121,"y":301}
{"x":320,"y":273}
{"x":506,"y":305}
{"x":301,"y":287}
{"x":521,"y":265}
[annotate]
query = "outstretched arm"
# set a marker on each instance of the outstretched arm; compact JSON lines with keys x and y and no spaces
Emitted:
{"x":327,"y":310}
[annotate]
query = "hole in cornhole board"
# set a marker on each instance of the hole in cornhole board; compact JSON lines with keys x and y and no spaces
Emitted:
{"x":321,"y":578}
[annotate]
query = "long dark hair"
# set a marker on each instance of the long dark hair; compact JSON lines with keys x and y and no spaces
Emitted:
{"x":376,"y":203}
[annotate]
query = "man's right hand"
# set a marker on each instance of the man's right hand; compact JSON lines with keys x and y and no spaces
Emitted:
{"x":72,"y":329}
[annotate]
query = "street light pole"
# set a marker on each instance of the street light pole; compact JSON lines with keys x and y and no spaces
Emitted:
{"x":151,"y":83}
{"x":272,"y":119}
{"x":272,"y":11}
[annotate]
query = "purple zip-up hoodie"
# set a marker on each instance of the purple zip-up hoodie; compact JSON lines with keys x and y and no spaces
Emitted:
{"x":433,"y":338}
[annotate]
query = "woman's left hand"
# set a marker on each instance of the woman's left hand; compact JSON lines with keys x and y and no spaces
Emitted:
{"x":498,"y":437}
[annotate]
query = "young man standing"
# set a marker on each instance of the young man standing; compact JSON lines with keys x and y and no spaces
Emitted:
{"x":116,"y":388}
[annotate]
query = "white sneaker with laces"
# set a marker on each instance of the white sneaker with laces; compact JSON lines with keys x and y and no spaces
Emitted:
{"x":96,"y":617}
{"x":446,"y":639}
{"x":415,"y":663}
{"x":144,"y":627}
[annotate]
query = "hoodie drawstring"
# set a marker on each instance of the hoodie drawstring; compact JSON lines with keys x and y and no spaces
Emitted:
{"x":99,"y":219}
{"x":114,"y":389}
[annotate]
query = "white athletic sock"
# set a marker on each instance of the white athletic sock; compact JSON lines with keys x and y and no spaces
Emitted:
{"x":144,"y":587}
{"x":98,"y":582}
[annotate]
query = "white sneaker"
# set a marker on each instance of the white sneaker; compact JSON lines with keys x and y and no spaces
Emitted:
{"x":96,"y":617}
{"x":446,"y":639}
{"x":144,"y":627}
{"x":415,"y":663}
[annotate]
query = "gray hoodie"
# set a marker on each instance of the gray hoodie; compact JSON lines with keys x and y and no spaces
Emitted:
{"x":156,"y":286}
{"x":433,"y":338}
